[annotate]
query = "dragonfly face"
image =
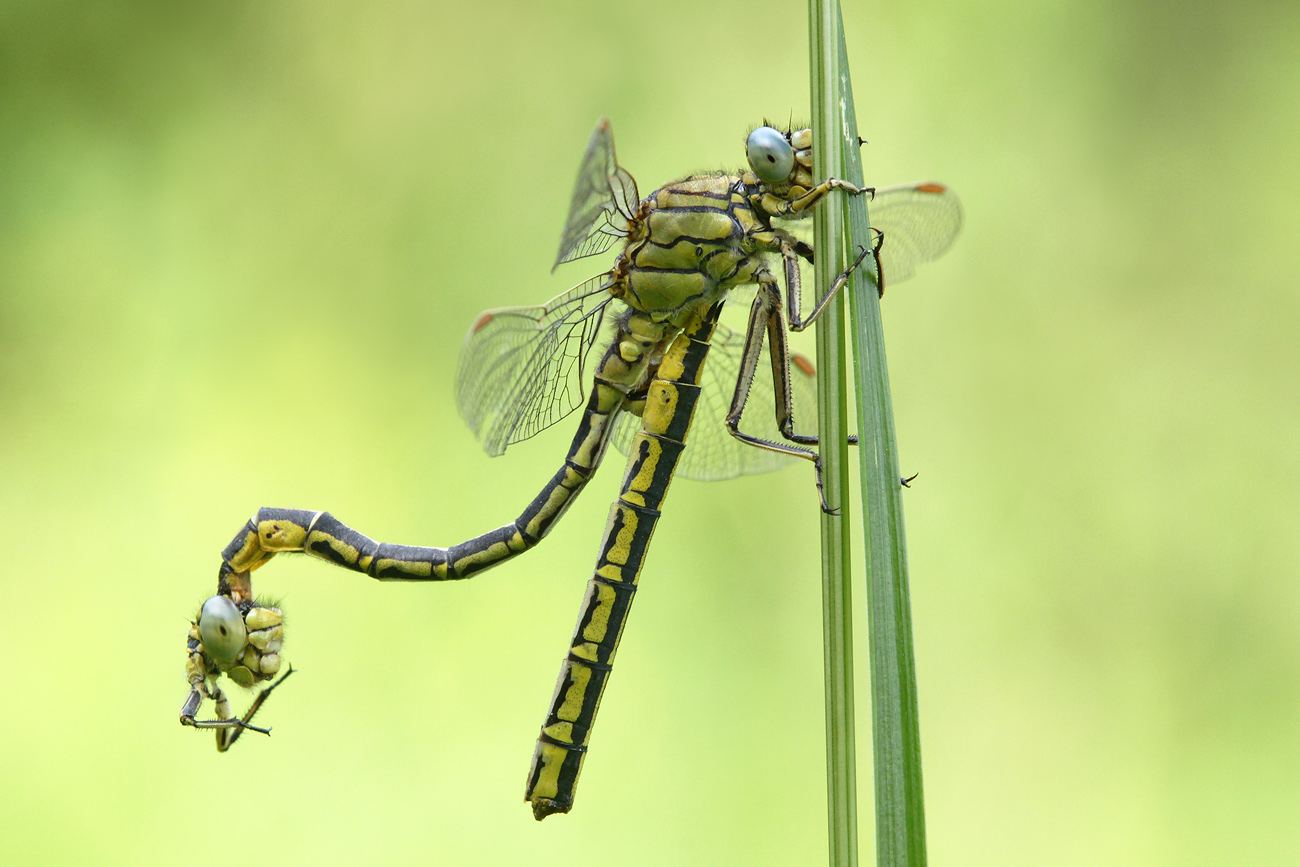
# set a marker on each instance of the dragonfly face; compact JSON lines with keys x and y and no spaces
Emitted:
{"x":639,"y":384}
{"x":244,"y":646}
{"x":771,"y":154}
{"x":241,"y":643}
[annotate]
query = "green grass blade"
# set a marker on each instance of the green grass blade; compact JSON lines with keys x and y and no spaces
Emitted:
{"x":900,"y":808}
{"x":896,"y":734}
{"x":837,"y":609}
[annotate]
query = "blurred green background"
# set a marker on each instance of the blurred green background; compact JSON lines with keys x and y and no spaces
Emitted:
{"x":240,"y":243}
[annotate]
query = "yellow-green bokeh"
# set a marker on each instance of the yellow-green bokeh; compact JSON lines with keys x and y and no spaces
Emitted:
{"x":239,"y":245}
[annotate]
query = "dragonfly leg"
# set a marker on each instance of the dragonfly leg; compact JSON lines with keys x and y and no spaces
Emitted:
{"x":228,"y":727}
{"x":791,"y":250}
{"x":794,"y":288}
{"x":225,"y":721}
{"x":778,"y":206}
{"x":192,"y":704}
{"x":226,"y":736}
{"x":765,"y":316}
{"x":819,"y":192}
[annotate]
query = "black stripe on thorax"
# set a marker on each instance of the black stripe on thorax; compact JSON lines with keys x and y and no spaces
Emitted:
{"x":644,"y":269}
{"x":702,"y":209}
{"x":723,"y":243}
{"x":708,"y":194}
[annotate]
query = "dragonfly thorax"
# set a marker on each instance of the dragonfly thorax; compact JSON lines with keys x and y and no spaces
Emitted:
{"x":688,"y":248}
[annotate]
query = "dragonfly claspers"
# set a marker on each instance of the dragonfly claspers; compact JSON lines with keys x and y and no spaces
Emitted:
{"x":685,"y":247}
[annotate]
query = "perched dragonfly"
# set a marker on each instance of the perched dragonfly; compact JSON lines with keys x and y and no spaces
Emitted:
{"x":685,"y":247}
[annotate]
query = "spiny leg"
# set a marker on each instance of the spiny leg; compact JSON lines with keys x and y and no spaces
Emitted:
{"x":778,"y":206}
{"x":192,"y":704}
{"x":794,"y":288}
{"x":817,"y":193}
{"x":226,"y":737}
{"x":780,"y":359}
{"x":790,"y":248}
{"x":225,"y":720}
{"x":228,"y":727}
{"x":765,"y":316}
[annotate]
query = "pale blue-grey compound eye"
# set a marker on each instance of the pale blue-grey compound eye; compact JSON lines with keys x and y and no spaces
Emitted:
{"x":221,"y":628}
{"x":770,"y":155}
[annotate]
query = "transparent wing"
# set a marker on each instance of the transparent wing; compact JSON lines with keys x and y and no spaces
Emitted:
{"x":919,"y":222}
{"x":604,"y":200}
{"x":711,"y":452}
{"x":522,"y":369}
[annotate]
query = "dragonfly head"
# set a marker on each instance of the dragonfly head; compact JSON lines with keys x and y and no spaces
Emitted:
{"x":770,"y":155}
{"x":781,"y":160}
{"x":243,"y":641}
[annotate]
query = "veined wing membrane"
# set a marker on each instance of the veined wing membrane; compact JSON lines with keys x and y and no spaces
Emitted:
{"x":711,"y":452}
{"x":522,"y":369}
{"x":919,"y":222}
{"x":604,"y":199}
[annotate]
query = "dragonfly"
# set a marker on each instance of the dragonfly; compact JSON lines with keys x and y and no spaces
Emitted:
{"x":630,"y":347}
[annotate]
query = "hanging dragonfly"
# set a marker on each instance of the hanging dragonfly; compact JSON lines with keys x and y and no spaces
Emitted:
{"x":685,"y":247}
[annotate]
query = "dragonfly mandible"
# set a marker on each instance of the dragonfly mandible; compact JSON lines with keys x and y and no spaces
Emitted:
{"x":632,"y":344}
